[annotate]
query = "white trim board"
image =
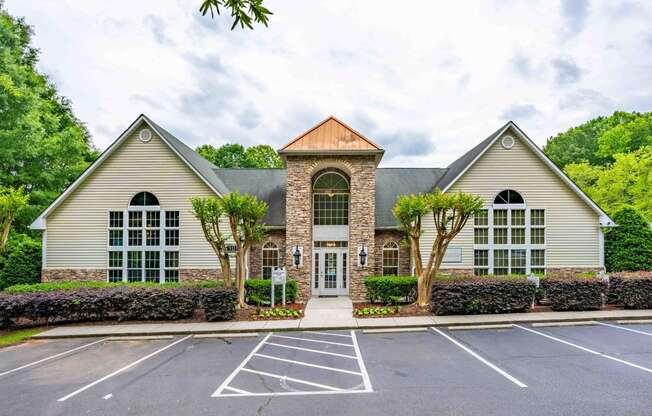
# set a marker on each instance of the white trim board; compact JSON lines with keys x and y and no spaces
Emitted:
{"x":605,"y":220}
{"x":40,"y":223}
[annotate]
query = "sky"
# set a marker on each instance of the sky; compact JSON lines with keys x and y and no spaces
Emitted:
{"x":426,"y":82}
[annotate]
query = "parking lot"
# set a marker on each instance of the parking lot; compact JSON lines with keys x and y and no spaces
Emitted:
{"x":600,"y":369}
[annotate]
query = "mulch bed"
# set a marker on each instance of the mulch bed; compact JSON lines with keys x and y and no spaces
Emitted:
{"x":405,"y":310}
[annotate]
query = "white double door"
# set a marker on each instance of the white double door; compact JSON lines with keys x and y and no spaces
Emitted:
{"x":330,"y":271}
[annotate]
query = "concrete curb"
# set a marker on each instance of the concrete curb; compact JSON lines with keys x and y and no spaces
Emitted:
{"x":132,"y":330}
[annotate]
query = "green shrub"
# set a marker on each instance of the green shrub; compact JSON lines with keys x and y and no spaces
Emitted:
{"x":76,"y":284}
{"x":575,"y":294}
{"x":636,"y":293}
{"x":219,"y":303}
{"x":21,"y":263}
{"x":259,"y":291}
{"x":391,"y":289}
{"x":628,"y":247}
{"x":481,"y":295}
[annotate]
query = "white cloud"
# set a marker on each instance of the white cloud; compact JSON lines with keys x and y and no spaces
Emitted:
{"x":438,"y":77}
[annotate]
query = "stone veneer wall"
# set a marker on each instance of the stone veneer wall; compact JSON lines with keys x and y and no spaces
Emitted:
{"x":256,"y":253}
{"x":52,"y":275}
{"x":404,"y":264}
{"x":300,"y":171}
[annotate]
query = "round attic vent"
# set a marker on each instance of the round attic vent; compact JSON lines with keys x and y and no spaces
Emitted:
{"x":145,"y":135}
{"x":507,"y":142}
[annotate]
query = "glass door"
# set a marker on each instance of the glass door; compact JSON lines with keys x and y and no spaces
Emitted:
{"x":330,"y":272}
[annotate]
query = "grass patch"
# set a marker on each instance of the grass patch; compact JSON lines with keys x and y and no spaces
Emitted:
{"x":16,"y":337}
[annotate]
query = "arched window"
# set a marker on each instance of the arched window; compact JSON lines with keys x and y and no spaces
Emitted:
{"x":390,"y":259}
{"x":509,"y":237}
{"x":270,"y":259}
{"x":330,"y":198}
{"x":143,"y":199}
{"x":508,"y":197}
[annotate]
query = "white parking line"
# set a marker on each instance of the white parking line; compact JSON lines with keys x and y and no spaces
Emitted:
{"x":313,"y":340}
{"x":482,"y":360}
{"x":636,"y":331}
{"x":61,"y":354}
{"x":285,"y":360}
{"x":327,"y":333}
{"x":88,"y":386}
{"x":295,"y":380}
{"x":240,"y":391}
{"x":590,"y":351}
{"x":235,"y":372}
{"x":296,"y":393}
{"x":310,"y":350}
{"x":363,"y":369}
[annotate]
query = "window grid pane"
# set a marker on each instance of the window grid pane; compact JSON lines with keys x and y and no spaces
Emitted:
{"x":116,"y":219}
{"x":153,"y":219}
{"x":270,"y":261}
{"x":152,"y":266}
{"x":390,"y":260}
{"x":481,"y":258}
{"x":135,"y":237}
{"x":171,"y":219}
{"x":115,"y":238}
{"x":500,"y":235}
{"x":153,"y":238}
{"x":518,"y":262}
{"x":134,"y":266}
{"x":331,"y":210}
{"x":538,"y":258}
{"x":481,"y":219}
{"x":537,"y":217}
{"x":135,"y":219}
{"x":501,"y":262}
{"x":518,"y":218}
{"x":537,"y":236}
{"x":171,"y":237}
{"x":481,"y":236}
{"x":500,"y":217}
{"x":518,"y":235}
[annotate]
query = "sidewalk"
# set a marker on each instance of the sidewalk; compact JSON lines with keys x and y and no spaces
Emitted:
{"x":333,"y":314}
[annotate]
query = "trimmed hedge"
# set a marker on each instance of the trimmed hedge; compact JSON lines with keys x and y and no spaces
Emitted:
{"x":219,"y":303}
{"x":636,"y":293}
{"x":391,"y":289}
{"x":481,"y":296}
{"x":76,"y":284}
{"x":21,"y":262}
{"x":582,"y":294}
{"x":122,"y":303}
{"x":260,"y":291}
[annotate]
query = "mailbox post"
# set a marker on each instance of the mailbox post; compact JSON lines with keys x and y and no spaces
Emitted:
{"x":278,"y":278}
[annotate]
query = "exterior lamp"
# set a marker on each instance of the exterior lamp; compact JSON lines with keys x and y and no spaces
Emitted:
{"x":363,"y":256}
{"x":297,"y":256}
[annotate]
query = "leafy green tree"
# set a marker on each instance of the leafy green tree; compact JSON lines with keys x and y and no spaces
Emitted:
{"x":450,"y":213}
{"x":243,"y":12}
{"x":22,"y":264}
{"x":233,"y":155}
{"x":209,"y":212}
{"x":626,"y":182}
{"x":43,"y":146}
{"x":12,"y":200}
{"x":245,"y":214}
{"x":625,"y":138}
{"x":628,"y":247}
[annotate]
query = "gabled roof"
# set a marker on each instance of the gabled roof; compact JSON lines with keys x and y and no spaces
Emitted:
{"x":460,"y":166}
{"x":199,"y":165}
{"x":331,"y":135}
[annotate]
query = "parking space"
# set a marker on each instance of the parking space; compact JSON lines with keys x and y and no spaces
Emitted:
{"x":600,"y":369}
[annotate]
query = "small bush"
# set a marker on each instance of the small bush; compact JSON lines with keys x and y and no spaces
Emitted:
{"x":391,"y":289}
{"x":481,"y":295}
{"x":21,"y":263}
{"x":636,"y":293}
{"x":259,"y":291}
{"x":76,"y":284}
{"x":583,"y":294}
{"x":219,"y":303}
{"x":123,"y":302}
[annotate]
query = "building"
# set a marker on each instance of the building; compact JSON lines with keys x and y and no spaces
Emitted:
{"x":128,"y":216}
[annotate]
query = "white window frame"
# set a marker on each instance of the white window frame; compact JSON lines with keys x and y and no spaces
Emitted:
{"x":269,"y":246}
{"x":162,"y":247}
{"x":395,"y":247}
{"x":528,"y":246}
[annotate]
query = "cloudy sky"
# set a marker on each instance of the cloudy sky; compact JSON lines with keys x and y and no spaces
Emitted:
{"x":426,"y":82}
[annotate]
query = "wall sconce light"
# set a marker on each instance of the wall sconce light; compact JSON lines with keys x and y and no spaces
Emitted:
{"x":362,"y":256}
{"x":298,"y":256}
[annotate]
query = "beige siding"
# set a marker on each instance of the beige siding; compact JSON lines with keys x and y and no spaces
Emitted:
{"x":571,"y":225}
{"x":77,"y":229}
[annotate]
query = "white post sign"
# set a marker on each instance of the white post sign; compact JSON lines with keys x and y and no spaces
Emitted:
{"x":278,"y":278}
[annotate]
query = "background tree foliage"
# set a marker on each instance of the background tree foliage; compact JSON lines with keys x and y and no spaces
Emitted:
{"x":234,"y":155}
{"x":610,"y":158}
{"x":243,"y":12}
{"x":43,"y":146}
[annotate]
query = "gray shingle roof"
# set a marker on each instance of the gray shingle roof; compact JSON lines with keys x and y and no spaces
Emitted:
{"x":266,"y":184}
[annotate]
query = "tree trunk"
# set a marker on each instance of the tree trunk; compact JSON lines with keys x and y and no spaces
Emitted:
{"x":240,"y":276}
{"x":423,"y":295}
{"x":4,"y":230}
{"x":225,"y":264}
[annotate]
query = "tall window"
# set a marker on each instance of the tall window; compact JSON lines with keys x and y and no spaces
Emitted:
{"x":509,"y":237}
{"x":143,"y":242}
{"x":390,"y":259}
{"x":330,"y":199}
{"x":270,"y":259}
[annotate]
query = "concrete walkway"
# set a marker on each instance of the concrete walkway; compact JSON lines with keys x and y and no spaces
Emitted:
{"x":333,"y":313}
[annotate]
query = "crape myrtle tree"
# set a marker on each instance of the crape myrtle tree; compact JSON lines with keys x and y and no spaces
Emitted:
{"x":450,"y":213}
{"x":243,"y":12}
{"x":244,"y":214}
